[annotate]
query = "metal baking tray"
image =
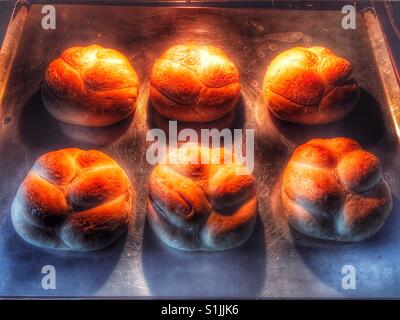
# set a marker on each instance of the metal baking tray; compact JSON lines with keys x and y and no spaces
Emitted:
{"x":274,"y":262}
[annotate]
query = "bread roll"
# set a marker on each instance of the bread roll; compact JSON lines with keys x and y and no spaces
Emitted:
{"x":73,"y":200}
{"x":194,"y":83}
{"x":204,"y":206}
{"x":310,"y":86}
{"x":90,"y":86}
{"x":333,"y":189}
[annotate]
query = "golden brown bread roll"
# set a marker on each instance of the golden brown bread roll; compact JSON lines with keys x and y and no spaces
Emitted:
{"x":310,"y":86}
{"x":333,"y":189}
{"x":194,"y":83}
{"x":204,"y":206}
{"x":90,"y":86}
{"x":73,"y":200}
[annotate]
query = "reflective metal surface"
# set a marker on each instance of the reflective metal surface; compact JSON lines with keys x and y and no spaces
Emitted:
{"x":275,"y":262}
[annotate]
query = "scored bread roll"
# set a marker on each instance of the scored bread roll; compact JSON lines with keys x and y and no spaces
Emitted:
{"x":310,"y":86}
{"x":74,"y":200}
{"x":202,"y":202}
{"x":333,"y":189}
{"x":194,"y":83}
{"x":90,"y":86}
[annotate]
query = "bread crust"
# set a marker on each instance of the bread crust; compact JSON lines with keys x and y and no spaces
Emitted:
{"x":90,"y":86}
{"x":310,"y":86}
{"x":73,"y":200}
{"x":333,"y":189}
{"x":194,"y":83}
{"x":205,"y":207}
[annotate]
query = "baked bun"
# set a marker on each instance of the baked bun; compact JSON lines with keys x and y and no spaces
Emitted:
{"x":310,"y":86}
{"x":205,"y":206}
{"x":333,"y":189}
{"x":90,"y":86}
{"x":73,"y":200}
{"x":194,"y":83}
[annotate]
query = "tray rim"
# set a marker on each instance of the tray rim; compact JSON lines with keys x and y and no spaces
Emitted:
{"x":385,"y":64}
{"x":278,"y":4}
{"x":11,"y":41}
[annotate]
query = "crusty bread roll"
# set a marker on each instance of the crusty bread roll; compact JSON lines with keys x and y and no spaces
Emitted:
{"x":310,"y":86}
{"x":205,"y":206}
{"x":73,"y":200}
{"x":333,"y":189}
{"x":194,"y":83}
{"x":90,"y":86}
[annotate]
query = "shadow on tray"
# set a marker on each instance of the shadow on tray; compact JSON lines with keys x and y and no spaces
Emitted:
{"x":233,"y":120}
{"x":365,"y":124}
{"x":376,"y":260}
{"x":239,"y":272}
{"x":77,"y":274}
{"x":39,"y":128}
